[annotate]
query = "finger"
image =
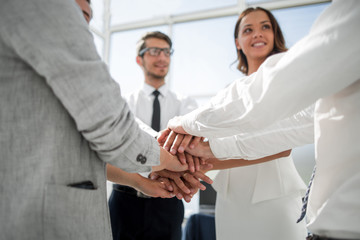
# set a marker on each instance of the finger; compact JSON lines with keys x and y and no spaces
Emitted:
{"x":154,"y":175}
{"x":163,"y":136}
{"x":181,"y":157}
{"x":185,"y":142}
{"x":203,"y":177}
{"x":167,"y":184}
{"x":195,"y":141}
{"x":194,"y":189}
{"x":206,"y":166}
{"x":163,"y":192}
{"x":188,"y":197}
{"x":190,"y":161}
{"x":194,"y":182}
{"x":181,"y":185}
{"x":197,"y":163}
{"x":176,"y":143}
{"x":177,"y":191}
{"x":169,"y":140}
{"x":203,"y":160}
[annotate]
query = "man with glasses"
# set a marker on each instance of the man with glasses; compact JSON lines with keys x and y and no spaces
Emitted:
{"x":134,"y":215}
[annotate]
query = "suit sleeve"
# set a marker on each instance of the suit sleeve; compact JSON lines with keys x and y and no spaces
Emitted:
{"x":52,"y":37}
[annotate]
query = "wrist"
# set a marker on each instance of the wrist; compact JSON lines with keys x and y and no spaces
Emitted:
{"x":135,"y":181}
{"x":161,"y":166}
{"x":207,"y":151}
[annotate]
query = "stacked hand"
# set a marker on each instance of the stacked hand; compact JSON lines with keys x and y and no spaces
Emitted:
{"x":191,"y":152}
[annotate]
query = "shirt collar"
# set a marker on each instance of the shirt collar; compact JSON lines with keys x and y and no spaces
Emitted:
{"x":150,"y":89}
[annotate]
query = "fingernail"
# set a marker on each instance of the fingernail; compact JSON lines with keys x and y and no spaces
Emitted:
{"x":181,"y":149}
{"x":170,"y":188}
{"x":202,"y":187}
{"x":192,"y":169}
{"x":179,"y":195}
{"x":187,"y":199}
{"x":172,"y":195}
{"x":192,"y":146}
{"x":173,"y":151}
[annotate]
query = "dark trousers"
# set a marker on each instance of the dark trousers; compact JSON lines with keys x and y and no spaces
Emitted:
{"x":317,"y":237}
{"x":138,"y":218}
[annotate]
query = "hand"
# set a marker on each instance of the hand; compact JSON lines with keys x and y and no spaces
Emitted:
{"x":202,"y":150}
{"x":175,"y":125}
{"x":180,"y":142}
{"x":175,"y":176}
{"x":192,"y":161}
{"x":181,"y":195}
{"x":154,"y":188}
{"x":185,"y":183}
{"x":170,"y":162}
{"x":176,"y":142}
{"x":162,"y":136}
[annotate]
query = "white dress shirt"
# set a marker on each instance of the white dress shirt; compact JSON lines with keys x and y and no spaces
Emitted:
{"x":322,"y":67}
{"x":171,"y":104}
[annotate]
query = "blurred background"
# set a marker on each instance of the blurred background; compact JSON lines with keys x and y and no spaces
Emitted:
{"x":203,"y":61}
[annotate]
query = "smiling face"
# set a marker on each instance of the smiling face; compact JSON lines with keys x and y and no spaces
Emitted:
{"x":255,"y":37}
{"x":154,"y":67}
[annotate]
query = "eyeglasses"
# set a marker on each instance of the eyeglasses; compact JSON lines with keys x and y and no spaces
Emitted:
{"x":154,"y":51}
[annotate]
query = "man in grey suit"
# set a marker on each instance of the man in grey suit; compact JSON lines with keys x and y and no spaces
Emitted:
{"x":62,"y":118}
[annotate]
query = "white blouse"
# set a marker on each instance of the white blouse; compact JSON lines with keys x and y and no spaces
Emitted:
{"x":323,"y":67}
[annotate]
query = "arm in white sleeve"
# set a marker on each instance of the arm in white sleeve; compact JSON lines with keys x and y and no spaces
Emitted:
{"x":281,"y":136}
{"x":57,"y":44}
{"x":326,"y":61}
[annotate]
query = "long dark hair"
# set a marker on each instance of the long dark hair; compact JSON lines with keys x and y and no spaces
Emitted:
{"x":279,"y":41}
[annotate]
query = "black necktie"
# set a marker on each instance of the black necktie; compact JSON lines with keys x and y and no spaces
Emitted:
{"x":305,"y":199}
{"x":155,"y":122}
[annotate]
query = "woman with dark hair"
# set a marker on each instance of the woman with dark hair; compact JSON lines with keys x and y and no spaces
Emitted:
{"x":278,"y":41}
{"x":261,"y":201}
{"x":259,"y":190}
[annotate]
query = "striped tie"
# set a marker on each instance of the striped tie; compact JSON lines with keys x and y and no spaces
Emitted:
{"x":305,"y":199}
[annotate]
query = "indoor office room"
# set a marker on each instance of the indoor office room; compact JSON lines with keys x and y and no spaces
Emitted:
{"x":179,"y":120}
{"x":204,"y":60}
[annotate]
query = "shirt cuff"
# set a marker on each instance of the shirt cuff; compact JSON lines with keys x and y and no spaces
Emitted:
{"x":145,"y":174}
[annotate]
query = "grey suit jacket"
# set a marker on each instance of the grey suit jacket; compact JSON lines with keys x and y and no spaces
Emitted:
{"x":61,"y":119}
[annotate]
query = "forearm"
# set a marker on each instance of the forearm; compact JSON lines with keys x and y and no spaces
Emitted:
{"x":116,"y":175}
{"x":286,"y":134}
{"x":232,"y":163}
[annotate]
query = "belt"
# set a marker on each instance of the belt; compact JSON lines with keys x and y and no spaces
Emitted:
{"x":317,"y":237}
{"x":129,"y":190}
